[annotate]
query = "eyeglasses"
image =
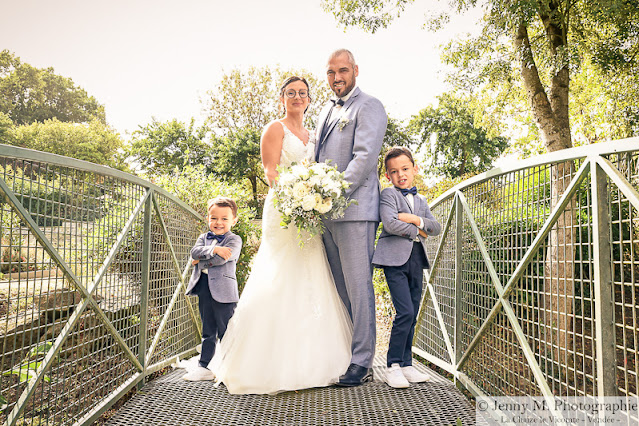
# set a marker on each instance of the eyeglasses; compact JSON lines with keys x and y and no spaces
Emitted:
{"x":290,"y":93}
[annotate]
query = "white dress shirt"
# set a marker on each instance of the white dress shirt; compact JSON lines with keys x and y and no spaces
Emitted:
{"x":410,"y":199}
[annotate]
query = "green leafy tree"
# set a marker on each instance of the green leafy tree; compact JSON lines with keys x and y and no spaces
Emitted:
{"x":161,"y":147}
{"x":95,"y":142}
{"x":397,"y":134}
{"x":456,"y":146}
{"x":5,"y":128}
{"x":237,"y":157}
{"x":29,"y":94}
{"x":250,"y":99}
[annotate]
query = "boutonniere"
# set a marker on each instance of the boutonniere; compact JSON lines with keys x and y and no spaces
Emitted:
{"x":343,"y":122}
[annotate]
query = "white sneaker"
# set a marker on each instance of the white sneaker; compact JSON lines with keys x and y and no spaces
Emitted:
{"x":395,"y":378}
{"x":413,"y":375}
{"x":199,"y":374}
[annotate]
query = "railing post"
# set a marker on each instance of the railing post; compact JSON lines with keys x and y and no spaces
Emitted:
{"x":459,"y":214}
{"x":144,"y":289}
{"x":604,"y":309}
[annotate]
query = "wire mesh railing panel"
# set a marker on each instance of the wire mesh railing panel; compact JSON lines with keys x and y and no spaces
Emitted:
{"x":119,"y":291}
{"x":555,"y":301}
{"x":35,"y":300}
{"x":429,"y":336}
{"x":181,"y":227}
{"x":179,"y":333}
{"x":624,"y":233}
{"x":89,"y":366}
{"x":497,"y":364}
{"x":444,"y":277}
{"x":78,"y":216}
{"x":428,"y":332}
{"x":478,"y":292}
{"x":72,"y":270}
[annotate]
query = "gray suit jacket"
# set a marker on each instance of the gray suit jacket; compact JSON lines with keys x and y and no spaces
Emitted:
{"x":222,"y":280}
{"x":396,"y":240}
{"x":352,"y":142}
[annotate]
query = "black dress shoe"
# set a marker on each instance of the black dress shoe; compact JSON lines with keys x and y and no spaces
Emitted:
{"x":355,"y":375}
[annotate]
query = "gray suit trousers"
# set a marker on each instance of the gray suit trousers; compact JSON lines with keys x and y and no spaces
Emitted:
{"x":351,"y":244}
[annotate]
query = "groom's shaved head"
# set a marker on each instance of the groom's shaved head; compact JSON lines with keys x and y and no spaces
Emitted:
{"x":346,"y":52}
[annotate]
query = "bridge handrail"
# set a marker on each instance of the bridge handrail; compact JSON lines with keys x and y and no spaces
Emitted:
{"x":92,"y":280}
{"x":531,"y":290}
{"x":571,"y":154}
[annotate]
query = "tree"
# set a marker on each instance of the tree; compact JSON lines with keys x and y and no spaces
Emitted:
{"x":5,"y":128}
{"x":456,"y":146}
{"x":94,"y":142}
{"x":160,"y":148}
{"x":547,"y":40}
{"x":29,"y":94}
{"x":396,"y":135}
{"x":237,"y":157}
{"x":251,"y":99}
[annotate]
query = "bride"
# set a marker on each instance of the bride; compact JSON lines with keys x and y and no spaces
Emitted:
{"x":290,"y":329}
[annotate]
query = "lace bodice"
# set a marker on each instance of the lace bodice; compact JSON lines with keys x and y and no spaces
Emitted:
{"x":293,"y":149}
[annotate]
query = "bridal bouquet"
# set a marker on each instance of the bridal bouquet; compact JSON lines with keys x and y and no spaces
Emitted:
{"x":306,"y":191}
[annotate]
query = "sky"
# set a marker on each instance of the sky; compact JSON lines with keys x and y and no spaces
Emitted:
{"x":144,"y":59}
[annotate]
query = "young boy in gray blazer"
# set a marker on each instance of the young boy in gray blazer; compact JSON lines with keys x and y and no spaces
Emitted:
{"x":400,"y":251}
{"x":213,"y":280}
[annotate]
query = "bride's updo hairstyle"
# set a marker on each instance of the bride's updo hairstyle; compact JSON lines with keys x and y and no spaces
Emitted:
{"x":293,"y":79}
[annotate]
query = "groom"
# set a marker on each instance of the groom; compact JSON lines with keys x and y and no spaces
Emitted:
{"x":351,"y":130}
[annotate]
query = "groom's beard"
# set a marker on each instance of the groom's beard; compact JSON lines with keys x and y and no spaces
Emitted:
{"x":345,"y":90}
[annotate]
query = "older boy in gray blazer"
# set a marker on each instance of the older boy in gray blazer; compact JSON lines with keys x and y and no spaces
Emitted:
{"x":400,"y":250}
{"x":350,"y":134}
{"x":213,"y":280}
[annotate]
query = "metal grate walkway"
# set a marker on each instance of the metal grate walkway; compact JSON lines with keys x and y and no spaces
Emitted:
{"x":169,"y":400}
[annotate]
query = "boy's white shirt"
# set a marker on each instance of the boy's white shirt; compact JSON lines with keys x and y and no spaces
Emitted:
{"x":410,"y":198}
{"x":213,"y":244}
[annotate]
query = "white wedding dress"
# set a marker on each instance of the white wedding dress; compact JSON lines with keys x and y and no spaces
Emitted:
{"x":290,"y":329}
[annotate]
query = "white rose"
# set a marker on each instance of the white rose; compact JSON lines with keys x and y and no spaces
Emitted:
{"x":325,"y":206}
{"x":300,"y":189}
{"x":318,"y":169}
{"x":288,"y":211}
{"x":315,"y":180}
{"x":299,"y":171}
{"x":308,"y":202}
{"x":285,"y":179}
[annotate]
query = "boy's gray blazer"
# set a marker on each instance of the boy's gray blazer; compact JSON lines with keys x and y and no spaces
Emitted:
{"x":396,"y":240}
{"x":222,"y":280}
{"x":355,"y":152}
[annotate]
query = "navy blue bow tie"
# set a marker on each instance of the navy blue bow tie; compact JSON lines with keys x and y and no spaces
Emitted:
{"x":210,"y":236}
{"x":406,"y":191}
{"x":337,"y":102}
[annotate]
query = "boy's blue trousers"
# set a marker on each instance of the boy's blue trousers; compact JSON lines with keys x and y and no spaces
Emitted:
{"x":215,"y":317}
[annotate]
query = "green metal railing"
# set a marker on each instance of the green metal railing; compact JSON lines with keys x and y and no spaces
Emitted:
{"x":93,"y":268}
{"x":534,"y":288}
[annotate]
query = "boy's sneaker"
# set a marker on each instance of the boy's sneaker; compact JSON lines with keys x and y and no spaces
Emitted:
{"x":199,"y":374}
{"x":395,"y":378}
{"x":413,"y":375}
